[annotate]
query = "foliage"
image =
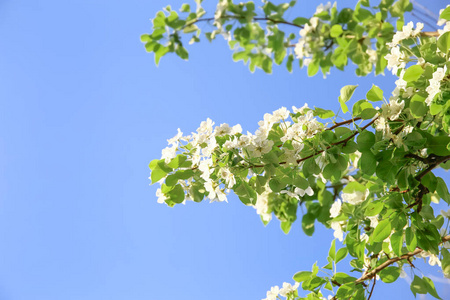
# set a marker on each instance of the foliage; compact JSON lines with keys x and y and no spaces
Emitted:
{"x":369,"y":178}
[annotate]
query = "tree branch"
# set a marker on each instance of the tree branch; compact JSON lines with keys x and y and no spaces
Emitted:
{"x":242,"y":17}
{"x":374,"y":272}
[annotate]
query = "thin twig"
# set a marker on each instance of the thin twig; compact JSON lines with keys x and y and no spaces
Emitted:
{"x":373,"y":286}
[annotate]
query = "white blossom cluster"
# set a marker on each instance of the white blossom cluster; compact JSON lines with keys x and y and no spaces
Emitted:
{"x":302,"y":48}
{"x":286,"y":291}
{"x":397,"y":58}
{"x":435,"y":84}
{"x":203,"y":151}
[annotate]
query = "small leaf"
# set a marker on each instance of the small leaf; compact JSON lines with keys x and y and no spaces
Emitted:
{"x":445,"y":14}
{"x":413,"y":73}
{"x":375,"y":94}
{"x":381,"y":232}
{"x":390,"y":274}
{"x":302,"y":276}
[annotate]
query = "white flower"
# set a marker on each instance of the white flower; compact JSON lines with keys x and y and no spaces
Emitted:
{"x":215,"y":193}
{"x":236,"y":129}
{"x":262,"y":205}
{"x":288,"y":288}
{"x":221,"y":7}
{"x":223,"y":129}
{"x":364,"y":237}
{"x":373,"y":221}
{"x":229,"y":145}
{"x":161,"y":197}
{"x":338,"y":232}
{"x":204,"y":167}
{"x":395,"y":109}
{"x":169,"y":153}
{"x":335,"y":209}
{"x":435,"y":84}
{"x":176,"y":138}
{"x":300,"y":110}
{"x":226,"y":174}
{"x":314,"y":22}
{"x":280,"y":114}
{"x":273,"y":293}
{"x":354,"y":198}
{"x":395,"y":59}
{"x":433,"y":260}
{"x":322,"y":8}
{"x":299,"y":192}
{"x":372,"y":55}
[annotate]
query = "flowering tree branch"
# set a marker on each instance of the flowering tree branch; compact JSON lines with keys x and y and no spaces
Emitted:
{"x":371,"y":274}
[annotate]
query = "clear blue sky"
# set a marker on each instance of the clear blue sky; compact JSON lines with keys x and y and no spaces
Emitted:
{"x":83,"y":110}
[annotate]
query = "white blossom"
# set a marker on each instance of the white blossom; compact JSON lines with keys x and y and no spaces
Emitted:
{"x":335,"y":209}
{"x":395,"y":59}
{"x":273,"y":293}
{"x":435,"y":84}
{"x":169,"y":153}
{"x":262,"y":204}
{"x":226,"y":174}
{"x":355,"y":197}
{"x":288,"y":288}
{"x":338,"y":232}
{"x":161,"y":196}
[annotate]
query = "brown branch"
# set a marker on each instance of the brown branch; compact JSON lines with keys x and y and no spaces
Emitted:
{"x":373,"y":286}
{"x":437,"y":161}
{"x":242,"y":17}
{"x":343,"y":123}
{"x":407,"y":256}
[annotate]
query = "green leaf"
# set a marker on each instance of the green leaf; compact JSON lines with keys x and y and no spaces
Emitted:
{"x":430,"y":287}
{"x":390,"y":274}
{"x":176,"y":194}
{"x":341,"y":254}
{"x":413,"y":73}
{"x":300,"y":21}
{"x":336,"y":30}
{"x":368,"y":162}
{"x":386,"y":171}
{"x":332,"y":251}
{"x":375,"y":94}
{"x":381,"y":232}
{"x":443,"y":42}
{"x":245,"y":193}
{"x":308,"y":224}
{"x":445,"y":14}
{"x":286,"y":226}
{"x":185,"y":8}
{"x":397,"y":242}
{"x":302,"y":276}
{"x":182,"y":52}
{"x":374,"y":208}
{"x":438,"y":145}
{"x":313,"y":67}
{"x":410,"y":239}
{"x":347,"y":92}
{"x":442,"y":190}
{"x":418,"y":106}
{"x":366,"y":140}
{"x":418,"y":286}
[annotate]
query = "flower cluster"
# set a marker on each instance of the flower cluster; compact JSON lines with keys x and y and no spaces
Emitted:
{"x":288,"y":291}
{"x":303,"y":49}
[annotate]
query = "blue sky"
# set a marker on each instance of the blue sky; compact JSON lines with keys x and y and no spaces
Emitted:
{"x":83,"y":110}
